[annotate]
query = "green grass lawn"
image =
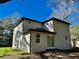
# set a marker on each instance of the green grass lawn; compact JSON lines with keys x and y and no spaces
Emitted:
{"x":5,"y":51}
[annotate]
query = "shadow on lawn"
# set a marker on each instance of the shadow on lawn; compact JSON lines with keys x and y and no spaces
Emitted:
{"x":55,"y":54}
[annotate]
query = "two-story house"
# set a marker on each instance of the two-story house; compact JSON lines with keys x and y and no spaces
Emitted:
{"x":35,"y":36}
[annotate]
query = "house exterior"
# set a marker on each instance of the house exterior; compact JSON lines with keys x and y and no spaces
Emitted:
{"x":34,"y":36}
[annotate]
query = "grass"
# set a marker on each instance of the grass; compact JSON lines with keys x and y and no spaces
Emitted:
{"x":9,"y":51}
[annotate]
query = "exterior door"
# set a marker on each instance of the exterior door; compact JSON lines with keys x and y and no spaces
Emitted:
{"x":50,"y":41}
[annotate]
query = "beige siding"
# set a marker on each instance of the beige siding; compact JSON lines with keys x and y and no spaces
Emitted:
{"x":27,"y":42}
{"x":31,"y":24}
{"x":18,"y":29}
{"x":39,"y":47}
{"x":22,"y":41}
{"x":62,"y":30}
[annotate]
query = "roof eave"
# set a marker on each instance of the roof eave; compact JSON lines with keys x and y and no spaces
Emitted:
{"x":43,"y":31}
{"x":57,"y":20}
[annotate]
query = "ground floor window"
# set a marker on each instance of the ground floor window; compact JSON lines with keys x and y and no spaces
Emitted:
{"x":37,"y":38}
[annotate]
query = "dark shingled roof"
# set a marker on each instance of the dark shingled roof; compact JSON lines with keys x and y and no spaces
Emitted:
{"x":31,"y":20}
{"x":40,"y":30}
{"x":57,"y":20}
{"x":23,"y":18}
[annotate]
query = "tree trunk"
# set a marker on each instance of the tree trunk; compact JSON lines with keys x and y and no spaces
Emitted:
{"x":74,"y":43}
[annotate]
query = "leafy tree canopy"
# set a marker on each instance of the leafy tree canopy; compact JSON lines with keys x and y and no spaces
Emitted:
{"x":75,"y":32}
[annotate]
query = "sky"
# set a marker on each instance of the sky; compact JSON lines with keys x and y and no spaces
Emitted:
{"x":34,"y":9}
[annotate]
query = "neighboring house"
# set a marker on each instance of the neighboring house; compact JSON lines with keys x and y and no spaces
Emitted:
{"x":34,"y":36}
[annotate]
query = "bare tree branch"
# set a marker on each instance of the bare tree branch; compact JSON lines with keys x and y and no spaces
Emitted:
{"x":4,"y":1}
{"x":63,"y":9}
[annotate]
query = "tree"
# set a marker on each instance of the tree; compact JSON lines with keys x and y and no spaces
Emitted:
{"x":7,"y":32}
{"x":4,"y":1}
{"x":9,"y":21}
{"x":63,"y":9}
{"x":75,"y":34}
{"x":8,"y":24}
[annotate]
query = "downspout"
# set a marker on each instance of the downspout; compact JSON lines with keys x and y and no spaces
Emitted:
{"x":30,"y":43}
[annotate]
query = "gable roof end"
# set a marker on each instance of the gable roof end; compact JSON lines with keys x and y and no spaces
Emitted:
{"x":31,"y":20}
{"x":23,"y":18}
{"x":57,"y":20}
{"x":18,"y":22}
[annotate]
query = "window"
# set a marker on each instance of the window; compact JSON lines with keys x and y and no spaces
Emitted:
{"x":46,"y":23}
{"x":37,"y":38}
{"x":18,"y":33}
{"x":66,"y":37}
{"x":29,"y":22}
{"x":37,"y":35}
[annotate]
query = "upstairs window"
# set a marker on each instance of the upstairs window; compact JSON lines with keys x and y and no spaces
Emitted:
{"x":37,"y":35}
{"x":29,"y":22}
